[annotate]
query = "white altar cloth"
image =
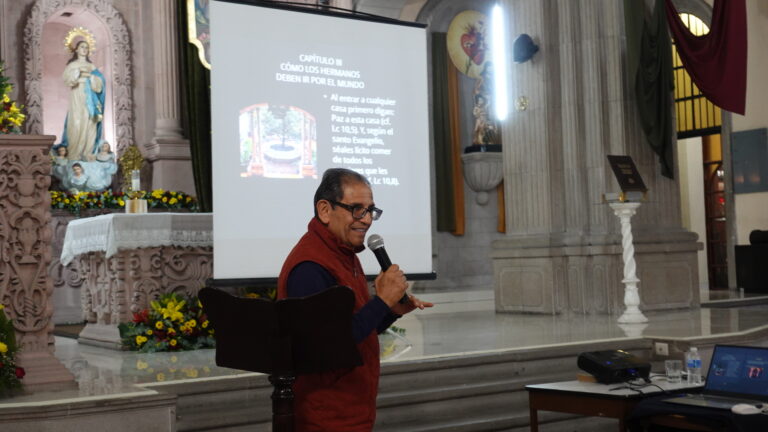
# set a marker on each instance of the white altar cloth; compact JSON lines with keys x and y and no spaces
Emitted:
{"x":112,"y":232}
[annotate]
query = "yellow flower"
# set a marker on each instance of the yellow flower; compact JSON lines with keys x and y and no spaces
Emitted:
{"x":165,"y":199}
{"x":2,"y":306}
{"x":205,"y":324}
{"x":121,"y":202}
{"x":157,"y":193}
{"x":140,"y":339}
{"x":141,"y":365}
{"x":149,"y":332}
{"x":159,"y":325}
{"x":161,"y":376}
{"x":191,"y":323}
{"x":6,"y":99}
{"x":171,"y":331}
{"x":173,"y":342}
{"x":172,"y":201}
{"x":66,"y":200}
{"x":3,"y":348}
{"x":172,"y":311}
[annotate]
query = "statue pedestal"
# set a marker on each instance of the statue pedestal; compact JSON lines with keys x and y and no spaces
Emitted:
{"x":25,"y":287}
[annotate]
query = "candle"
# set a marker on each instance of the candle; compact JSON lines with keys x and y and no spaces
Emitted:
{"x":135,"y":181}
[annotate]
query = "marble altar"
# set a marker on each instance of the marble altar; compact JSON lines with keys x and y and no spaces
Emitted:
{"x":128,"y":260}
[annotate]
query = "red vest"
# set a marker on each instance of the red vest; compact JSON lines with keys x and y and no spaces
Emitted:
{"x":340,"y":400}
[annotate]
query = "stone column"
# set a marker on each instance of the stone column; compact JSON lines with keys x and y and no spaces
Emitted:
{"x":168,"y":151}
{"x":25,"y":233}
{"x":562,"y":250}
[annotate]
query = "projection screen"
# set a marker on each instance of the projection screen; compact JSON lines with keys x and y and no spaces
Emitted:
{"x":296,"y":92}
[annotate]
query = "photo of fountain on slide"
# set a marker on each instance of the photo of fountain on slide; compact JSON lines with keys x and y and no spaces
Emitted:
{"x":277,"y":141}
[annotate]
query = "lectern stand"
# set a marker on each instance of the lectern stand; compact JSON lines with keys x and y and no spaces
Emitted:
{"x":284,"y":339}
{"x":632,"y":313}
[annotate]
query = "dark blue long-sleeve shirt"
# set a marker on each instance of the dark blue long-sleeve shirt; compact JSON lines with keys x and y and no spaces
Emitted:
{"x":310,"y":278}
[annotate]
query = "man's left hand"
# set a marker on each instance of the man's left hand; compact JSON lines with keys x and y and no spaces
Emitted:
{"x":410,"y":305}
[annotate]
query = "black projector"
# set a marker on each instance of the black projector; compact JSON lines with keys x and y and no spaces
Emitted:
{"x":613,"y":366}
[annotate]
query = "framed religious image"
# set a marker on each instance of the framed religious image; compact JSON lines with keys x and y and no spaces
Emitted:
{"x":626,"y":174}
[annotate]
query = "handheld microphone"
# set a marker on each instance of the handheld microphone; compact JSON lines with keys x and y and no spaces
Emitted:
{"x":376,"y":244}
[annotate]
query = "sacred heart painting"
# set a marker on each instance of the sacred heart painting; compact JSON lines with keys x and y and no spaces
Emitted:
{"x":466,"y":42}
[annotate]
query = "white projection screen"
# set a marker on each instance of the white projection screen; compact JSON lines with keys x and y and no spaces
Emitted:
{"x":295,"y":92}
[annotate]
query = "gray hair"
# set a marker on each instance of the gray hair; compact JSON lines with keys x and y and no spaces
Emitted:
{"x":332,"y":185}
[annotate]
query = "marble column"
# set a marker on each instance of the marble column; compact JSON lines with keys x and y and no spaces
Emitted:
{"x":562,"y":249}
{"x":168,"y":151}
{"x":25,"y":288}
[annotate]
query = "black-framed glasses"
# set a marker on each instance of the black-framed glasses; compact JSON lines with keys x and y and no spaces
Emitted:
{"x":358,"y":211}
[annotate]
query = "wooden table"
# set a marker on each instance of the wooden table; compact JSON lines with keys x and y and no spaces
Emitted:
{"x":590,"y":399}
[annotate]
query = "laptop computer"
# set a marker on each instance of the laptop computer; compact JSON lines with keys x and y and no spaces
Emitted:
{"x":737,"y":374}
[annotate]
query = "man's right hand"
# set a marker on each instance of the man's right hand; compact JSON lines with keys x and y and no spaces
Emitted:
{"x":391,"y":285}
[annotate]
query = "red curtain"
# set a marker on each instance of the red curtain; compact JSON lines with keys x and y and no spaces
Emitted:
{"x":717,"y":61}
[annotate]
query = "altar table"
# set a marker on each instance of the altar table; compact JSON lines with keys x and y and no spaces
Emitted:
{"x":128,"y":260}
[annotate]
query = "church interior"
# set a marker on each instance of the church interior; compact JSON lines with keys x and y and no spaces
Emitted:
{"x":540,"y":248}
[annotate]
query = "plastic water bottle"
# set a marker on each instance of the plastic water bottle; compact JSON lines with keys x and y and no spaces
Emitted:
{"x":693,"y":366}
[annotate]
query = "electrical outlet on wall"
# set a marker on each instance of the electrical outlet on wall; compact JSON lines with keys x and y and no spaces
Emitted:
{"x":661,"y":348}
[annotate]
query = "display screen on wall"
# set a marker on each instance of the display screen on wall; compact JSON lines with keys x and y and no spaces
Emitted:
{"x":295,"y":92}
{"x":750,"y":161}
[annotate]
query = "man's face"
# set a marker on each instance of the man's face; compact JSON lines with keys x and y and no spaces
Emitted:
{"x":347,"y":229}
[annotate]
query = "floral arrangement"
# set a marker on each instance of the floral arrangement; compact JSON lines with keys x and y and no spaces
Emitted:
{"x":158,"y":198}
{"x":11,"y":117}
{"x":173,"y":322}
{"x":10,"y":374}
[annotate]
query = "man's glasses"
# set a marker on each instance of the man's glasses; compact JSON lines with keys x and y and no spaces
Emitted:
{"x":358,"y":211}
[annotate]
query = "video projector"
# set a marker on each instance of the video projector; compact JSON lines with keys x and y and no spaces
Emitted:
{"x":613,"y":366}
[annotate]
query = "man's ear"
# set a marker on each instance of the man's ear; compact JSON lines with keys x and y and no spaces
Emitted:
{"x":324,"y":210}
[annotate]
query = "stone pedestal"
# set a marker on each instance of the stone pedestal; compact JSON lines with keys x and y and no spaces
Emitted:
{"x":25,"y":288}
{"x":587,"y":279}
{"x":116,"y":287}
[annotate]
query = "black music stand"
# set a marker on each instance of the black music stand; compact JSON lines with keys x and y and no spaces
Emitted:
{"x":284,"y":339}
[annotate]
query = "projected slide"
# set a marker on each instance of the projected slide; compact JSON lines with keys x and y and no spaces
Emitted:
{"x":295,"y":93}
{"x":278,"y":141}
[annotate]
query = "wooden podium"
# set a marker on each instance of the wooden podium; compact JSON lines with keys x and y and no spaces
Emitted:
{"x":284,"y":339}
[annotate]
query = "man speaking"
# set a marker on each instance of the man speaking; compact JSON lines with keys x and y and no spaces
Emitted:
{"x":343,"y":400}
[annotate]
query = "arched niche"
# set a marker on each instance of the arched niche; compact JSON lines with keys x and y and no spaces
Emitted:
{"x":45,"y":57}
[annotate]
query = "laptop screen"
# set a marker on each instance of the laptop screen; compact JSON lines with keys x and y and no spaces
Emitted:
{"x":737,"y":370}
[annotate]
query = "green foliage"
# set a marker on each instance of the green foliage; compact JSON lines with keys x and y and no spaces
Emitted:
{"x":11,"y":117}
{"x":10,"y":374}
{"x":158,"y":198}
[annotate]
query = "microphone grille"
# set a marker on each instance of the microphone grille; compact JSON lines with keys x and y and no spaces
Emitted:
{"x":375,"y":241}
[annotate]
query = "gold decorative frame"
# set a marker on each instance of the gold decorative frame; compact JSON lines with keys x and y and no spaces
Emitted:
{"x":192,"y":31}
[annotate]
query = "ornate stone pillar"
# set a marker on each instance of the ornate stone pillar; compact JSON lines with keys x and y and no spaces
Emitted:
{"x":25,"y":236}
{"x":169,"y":151}
{"x":562,"y":249}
